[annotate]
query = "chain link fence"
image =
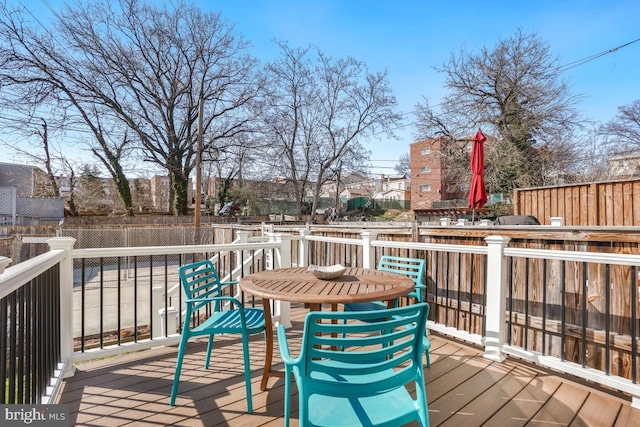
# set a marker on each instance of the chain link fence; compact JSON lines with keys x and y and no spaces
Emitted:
{"x":7,"y":205}
{"x":112,"y":271}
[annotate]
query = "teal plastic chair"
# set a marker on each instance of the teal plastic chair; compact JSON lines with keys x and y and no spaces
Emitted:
{"x":204,"y":294}
{"x":411,"y":267}
{"x":353,"y":368}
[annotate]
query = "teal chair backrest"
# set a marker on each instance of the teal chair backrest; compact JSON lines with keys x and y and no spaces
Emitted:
{"x":199,"y":281}
{"x":354,"y":355}
{"x":411,"y":267}
{"x":204,"y":298}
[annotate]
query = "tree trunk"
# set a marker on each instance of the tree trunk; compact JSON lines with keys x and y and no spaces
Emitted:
{"x":180,"y":183}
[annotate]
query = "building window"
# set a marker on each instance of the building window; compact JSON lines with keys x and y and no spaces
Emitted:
{"x":425,"y":151}
{"x":425,"y":169}
{"x":424,"y":188}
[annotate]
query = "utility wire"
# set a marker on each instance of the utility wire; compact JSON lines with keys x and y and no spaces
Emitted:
{"x":582,"y":61}
{"x":561,"y":69}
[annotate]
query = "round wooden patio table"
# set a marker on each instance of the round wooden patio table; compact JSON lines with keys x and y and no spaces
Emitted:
{"x":298,"y":285}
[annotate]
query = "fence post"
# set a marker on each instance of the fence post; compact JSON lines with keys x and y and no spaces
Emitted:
{"x":66,"y":301}
{"x":368,"y":252}
{"x":4,"y":263}
{"x":303,"y":251}
{"x":281,"y":309}
{"x":496,"y":298}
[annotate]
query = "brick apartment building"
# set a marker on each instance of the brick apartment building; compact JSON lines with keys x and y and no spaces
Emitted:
{"x":428,"y":180}
{"x":427,"y":174}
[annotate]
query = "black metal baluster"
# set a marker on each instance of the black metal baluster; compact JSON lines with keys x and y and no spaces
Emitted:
{"x":119,"y":297}
{"x":526,"y":303}
{"x":544,"y":306}
{"x":510,"y":303}
{"x":634,"y":332}
{"x":151,"y":293}
{"x":135,"y":298}
{"x":563,"y":316}
{"x":470,"y":298}
{"x":83,"y":314}
{"x":585,"y":314}
{"x":12,"y":347}
{"x":607,"y":317}
{"x":101,"y":302}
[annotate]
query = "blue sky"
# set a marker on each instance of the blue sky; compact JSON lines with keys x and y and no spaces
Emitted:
{"x":407,"y":38}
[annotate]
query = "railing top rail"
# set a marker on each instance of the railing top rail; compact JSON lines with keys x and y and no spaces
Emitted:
{"x":594,"y":257}
{"x":16,"y":276}
{"x":439,"y":247}
{"x":168,"y":250}
{"x":334,"y":239}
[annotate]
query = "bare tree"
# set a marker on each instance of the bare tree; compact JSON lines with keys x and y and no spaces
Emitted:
{"x":34,"y":135}
{"x":403,"y":167}
{"x":622,"y":133}
{"x":315,"y":108}
{"x":45,"y":71}
{"x":90,"y":192}
{"x":136,"y":74}
{"x":515,"y":93}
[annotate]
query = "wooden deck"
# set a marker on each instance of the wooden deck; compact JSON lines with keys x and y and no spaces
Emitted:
{"x":463,"y":389}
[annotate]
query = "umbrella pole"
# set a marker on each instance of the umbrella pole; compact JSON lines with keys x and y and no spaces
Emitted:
{"x":473,"y":216}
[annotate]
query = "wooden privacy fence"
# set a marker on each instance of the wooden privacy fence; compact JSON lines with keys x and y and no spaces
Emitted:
{"x":582,"y":310}
{"x":614,"y":203}
{"x":576,"y":304}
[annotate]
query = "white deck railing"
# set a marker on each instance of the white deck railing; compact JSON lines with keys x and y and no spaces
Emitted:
{"x":496,"y":251}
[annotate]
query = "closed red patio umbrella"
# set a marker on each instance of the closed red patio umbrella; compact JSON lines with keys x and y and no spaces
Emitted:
{"x":477,"y":192}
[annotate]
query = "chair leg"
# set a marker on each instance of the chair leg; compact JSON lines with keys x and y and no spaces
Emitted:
{"x":247,"y":373}
{"x":209,"y":348}
{"x":176,"y":377}
{"x":287,"y":395}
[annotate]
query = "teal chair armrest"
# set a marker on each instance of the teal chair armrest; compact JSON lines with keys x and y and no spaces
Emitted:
{"x":284,"y":347}
{"x":417,"y":293}
{"x":231,"y":282}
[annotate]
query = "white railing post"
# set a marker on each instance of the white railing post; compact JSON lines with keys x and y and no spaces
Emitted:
{"x":167,"y":314}
{"x":243,"y":236}
{"x":281,"y":309}
{"x":66,"y":301}
{"x":496,"y":298}
{"x":283,"y":253}
{"x":303,"y":248}
{"x":368,"y":252}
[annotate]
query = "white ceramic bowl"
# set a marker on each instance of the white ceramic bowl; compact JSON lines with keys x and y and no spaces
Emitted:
{"x":327,"y":272}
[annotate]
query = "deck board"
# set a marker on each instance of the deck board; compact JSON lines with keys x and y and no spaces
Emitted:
{"x":596,"y":411}
{"x":463,"y":388}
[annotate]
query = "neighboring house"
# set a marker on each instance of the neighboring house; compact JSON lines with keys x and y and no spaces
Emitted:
{"x":353,"y":193}
{"x":395,"y":193}
{"x":23,"y":198}
{"x":160,"y":187}
{"x":624,"y":165}
{"x":141,"y":194}
{"x":398,"y":182}
{"x":29,"y":181}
